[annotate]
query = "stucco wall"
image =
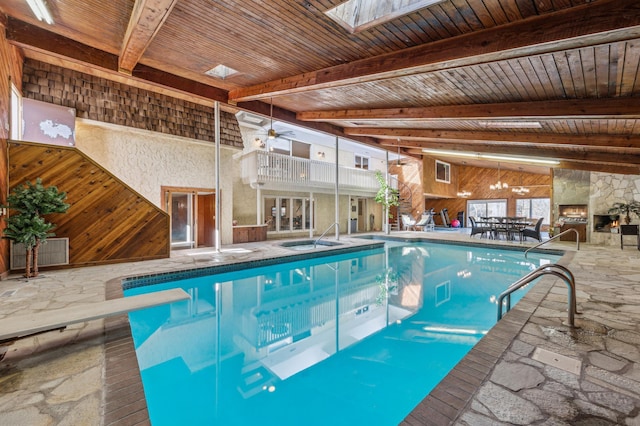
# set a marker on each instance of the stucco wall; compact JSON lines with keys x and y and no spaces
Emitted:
{"x":147,"y":160}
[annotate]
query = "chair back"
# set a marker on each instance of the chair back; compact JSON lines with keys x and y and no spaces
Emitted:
{"x":539,"y":224}
{"x":407,"y":220}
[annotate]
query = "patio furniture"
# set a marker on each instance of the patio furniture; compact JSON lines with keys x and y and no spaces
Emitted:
{"x":408,"y":222}
{"x":426,"y":221}
{"x":629,"y":230}
{"x":533,"y":232}
{"x":479,"y":228}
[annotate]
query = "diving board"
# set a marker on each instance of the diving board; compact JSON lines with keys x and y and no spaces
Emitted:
{"x":26,"y":325}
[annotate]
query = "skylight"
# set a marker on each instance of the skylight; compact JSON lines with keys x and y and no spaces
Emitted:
{"x":221,"y":71}
{"x":358,"y":15}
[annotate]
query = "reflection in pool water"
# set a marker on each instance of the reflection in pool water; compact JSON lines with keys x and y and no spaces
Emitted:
{"x":353,"y":338}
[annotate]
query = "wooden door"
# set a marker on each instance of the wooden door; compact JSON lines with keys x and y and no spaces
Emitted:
{"x":205,"y":219}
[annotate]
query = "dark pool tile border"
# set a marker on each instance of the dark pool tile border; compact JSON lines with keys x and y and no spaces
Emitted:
{"x":162,"y":277}
{"x":466,"y":378}
{"x":442,"y":406}
{"x":124,"y":400}
{"x":470,"y":243}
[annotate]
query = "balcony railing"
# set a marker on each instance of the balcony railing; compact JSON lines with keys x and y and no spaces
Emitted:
{"x":283,"y":172}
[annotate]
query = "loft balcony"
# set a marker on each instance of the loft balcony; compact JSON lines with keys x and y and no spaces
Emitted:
{"x":271,"y":171}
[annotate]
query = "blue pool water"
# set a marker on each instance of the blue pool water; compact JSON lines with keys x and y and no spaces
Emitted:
{"x":357,"y":338}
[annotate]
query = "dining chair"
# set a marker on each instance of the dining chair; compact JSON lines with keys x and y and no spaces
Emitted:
{"x":533,"y":233}
{"x":476,"y":228}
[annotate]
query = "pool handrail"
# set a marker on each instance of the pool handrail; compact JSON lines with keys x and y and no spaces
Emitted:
{"x":336,"y":224}
{"x":564,"y":274}
{"x":553,"y":238}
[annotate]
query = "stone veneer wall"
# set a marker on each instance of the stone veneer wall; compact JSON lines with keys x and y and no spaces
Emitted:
{"x":607,"y":189}
{"x":570,"y":187}
{"x":108,"y":101}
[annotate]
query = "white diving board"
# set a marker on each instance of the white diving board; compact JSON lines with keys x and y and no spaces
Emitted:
{"x":25,"y":325}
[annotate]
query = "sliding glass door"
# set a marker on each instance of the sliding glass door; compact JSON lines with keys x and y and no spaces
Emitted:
{"x":486,"y":208}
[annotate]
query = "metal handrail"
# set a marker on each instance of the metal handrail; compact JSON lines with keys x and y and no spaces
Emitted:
{"x":553,"y":238}
{"x":336,"y":224}
{"x":565,"y":275}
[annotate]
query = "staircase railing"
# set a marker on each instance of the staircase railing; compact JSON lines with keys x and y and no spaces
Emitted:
{"x":336,"y":224}
{"x":551,"y":269}
{"x":553,"y":238}
{"x":403,"y":190}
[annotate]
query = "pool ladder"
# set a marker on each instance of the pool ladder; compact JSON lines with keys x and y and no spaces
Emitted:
{"x":336,"y":224}
{"x":553,"y":238}
{"x":551,"y":269}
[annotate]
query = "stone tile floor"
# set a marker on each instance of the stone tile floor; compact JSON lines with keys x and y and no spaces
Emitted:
{"x":530,"y":369}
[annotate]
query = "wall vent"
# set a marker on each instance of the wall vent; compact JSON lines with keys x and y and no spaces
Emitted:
{"x":55,"y":251}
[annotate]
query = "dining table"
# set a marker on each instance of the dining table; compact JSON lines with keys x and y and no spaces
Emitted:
{"x":508,"y":226}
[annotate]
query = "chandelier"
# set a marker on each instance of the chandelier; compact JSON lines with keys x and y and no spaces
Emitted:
{"x":499,"y":185}
{"x":520,"y":190}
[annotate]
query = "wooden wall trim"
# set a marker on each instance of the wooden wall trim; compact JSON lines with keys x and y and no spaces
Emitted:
{"x":108,"y":222}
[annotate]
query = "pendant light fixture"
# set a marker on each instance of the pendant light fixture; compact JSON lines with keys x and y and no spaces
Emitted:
{"x":499,"y":185}
{"x":520,"y":190}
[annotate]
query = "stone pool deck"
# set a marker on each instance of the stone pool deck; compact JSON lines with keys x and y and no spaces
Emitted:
{"x":529,"y":369}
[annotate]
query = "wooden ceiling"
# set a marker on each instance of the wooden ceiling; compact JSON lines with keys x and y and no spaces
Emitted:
{"x":461,"y":75}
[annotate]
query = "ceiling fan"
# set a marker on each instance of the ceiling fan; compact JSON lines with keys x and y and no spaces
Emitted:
{"x":271,"y":133}
{"x":398,"y":161}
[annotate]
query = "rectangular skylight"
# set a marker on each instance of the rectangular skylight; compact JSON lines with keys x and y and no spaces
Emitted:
{"x":358,"y":15}
{"x":511,"y":124}
{"x":221,"y":71}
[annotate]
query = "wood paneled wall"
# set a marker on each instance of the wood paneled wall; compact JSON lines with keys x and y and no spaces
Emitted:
{"x":107,"y":222}
{"x":433,"y":188}
{"x":410,"y":172}
{"x":477,"y":180}
{"x":111,"y":102}
{"x":10,"y":70}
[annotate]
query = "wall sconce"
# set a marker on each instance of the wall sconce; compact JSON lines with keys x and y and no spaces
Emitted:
{"x":320,"y":154}
{"x":464,"y":194}
{"x":258,"y":143}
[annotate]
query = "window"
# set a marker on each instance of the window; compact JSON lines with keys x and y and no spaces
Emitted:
{"x":290,"y":147}
{"x":294,"y":214}
{"x":486,"y":208}
{"x":362,"y":162}
{"x":359,"y":15}
{"x":534,"y":208}
{"x":443,"y":172}
{"x":16,"y":114}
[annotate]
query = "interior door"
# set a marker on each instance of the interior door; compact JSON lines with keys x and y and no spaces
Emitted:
{"x":205,"y":218}
{"x":362,"y":209}
{"x":181,"y":219}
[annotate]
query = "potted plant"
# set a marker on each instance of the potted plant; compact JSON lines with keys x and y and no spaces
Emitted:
{"x":386,"y":195}
{"x":626,"y":209}
{"x":29,"y":203}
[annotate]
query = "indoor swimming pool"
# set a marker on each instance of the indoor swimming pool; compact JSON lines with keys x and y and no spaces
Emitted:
{"x":356,"y":338}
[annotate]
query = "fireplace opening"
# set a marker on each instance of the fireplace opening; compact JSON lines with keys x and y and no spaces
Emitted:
{"x":604,"y":222}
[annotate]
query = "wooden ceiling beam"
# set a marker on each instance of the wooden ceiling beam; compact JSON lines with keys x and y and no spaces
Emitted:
{"x":580,"y":155}
{"x":417,"y":137}
{"x":40,"y":40}
{"x":612,"y":108}
{"x":573,"y":165}
{"x":146,"y":20}
{"x":590,"y":24}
